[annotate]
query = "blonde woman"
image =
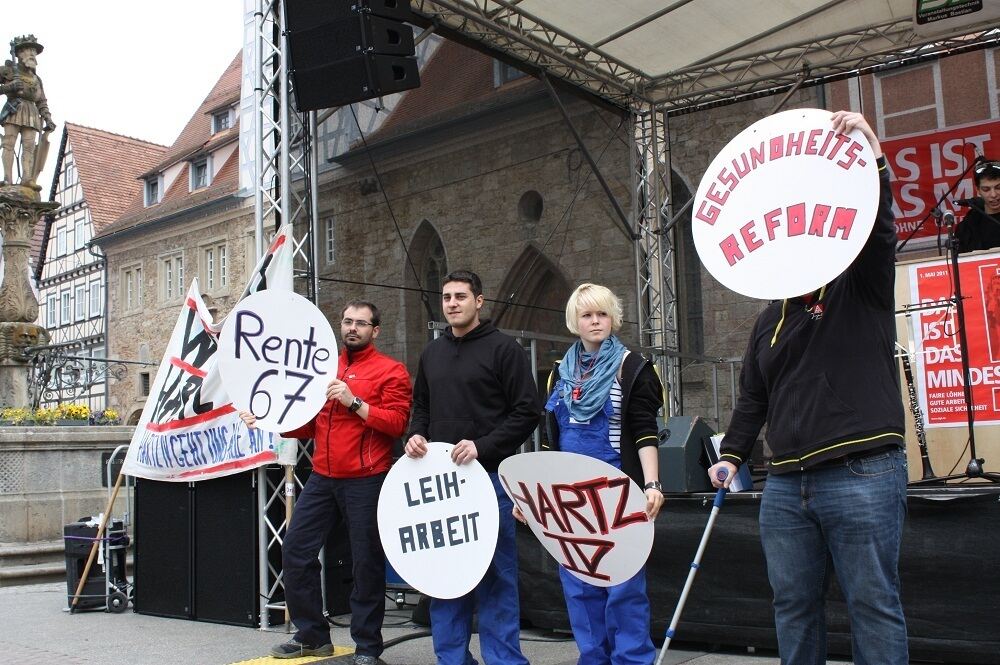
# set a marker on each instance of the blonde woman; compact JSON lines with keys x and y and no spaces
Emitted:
{"x":604,"y":405}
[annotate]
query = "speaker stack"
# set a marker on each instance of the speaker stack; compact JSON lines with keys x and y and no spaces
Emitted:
{"x":345,"y":51}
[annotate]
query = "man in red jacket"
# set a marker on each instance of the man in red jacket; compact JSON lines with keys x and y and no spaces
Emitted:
{"x":368,"y":407}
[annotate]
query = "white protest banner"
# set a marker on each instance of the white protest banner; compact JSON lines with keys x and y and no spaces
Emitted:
{"x":277,"y":353}
{"x":589,"y":515}
{"x":786,"y":206}
{"x":438,"y":522}
{"x":189,"y":429}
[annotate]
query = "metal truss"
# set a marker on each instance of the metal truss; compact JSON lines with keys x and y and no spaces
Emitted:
{"x":770,"y":70}
{"x":503,"y":26}
{"x":656,"y":283}
{"x":285,"y":165}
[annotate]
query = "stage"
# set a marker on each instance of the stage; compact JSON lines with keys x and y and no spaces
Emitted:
{"x":951,"y":586}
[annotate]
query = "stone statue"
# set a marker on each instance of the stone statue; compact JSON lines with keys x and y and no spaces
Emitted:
{"x":26,"y":113}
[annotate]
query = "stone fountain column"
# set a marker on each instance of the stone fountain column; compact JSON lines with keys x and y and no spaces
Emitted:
{"x":20,"y":210}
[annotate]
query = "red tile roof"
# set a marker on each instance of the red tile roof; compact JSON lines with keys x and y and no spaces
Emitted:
{"x":195,"y":139}
{"x":109,"y":166}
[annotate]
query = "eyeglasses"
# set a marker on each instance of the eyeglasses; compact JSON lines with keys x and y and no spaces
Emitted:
{"x":987,"y":165}
{"x":347,"y":323}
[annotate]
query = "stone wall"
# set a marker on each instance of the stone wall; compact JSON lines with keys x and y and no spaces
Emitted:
{"x":51,"y":476}
{"x":142,"y":334}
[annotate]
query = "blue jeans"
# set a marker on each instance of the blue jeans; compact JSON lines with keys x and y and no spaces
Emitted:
{"x":851,"y":516}
{"x":497,"y":599}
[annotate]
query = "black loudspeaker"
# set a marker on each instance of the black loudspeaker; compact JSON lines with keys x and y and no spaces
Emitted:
{"x":683,"y":462}
{"x":196,"y":549}
{"x":163,"y":549}
{"x":344,"y":51}
{"x":225,"y":550}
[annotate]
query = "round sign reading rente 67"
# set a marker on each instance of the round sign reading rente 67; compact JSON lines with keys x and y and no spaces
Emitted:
{"x":786,"y":206}
{"x":277,"y":353}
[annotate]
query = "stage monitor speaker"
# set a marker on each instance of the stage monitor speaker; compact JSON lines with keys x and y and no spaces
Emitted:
{"x":225,"y":550}
{"x":682,"y":455}
{"x":340,"y":52}
{"x":163,"y":549}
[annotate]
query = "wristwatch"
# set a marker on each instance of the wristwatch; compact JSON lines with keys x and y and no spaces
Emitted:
{"x":653,"y":485}
{"x":355,"y":405}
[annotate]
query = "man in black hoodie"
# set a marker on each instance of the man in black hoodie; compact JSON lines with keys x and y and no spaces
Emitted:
{"x":819,"y":370}
{"x":474,"y":388}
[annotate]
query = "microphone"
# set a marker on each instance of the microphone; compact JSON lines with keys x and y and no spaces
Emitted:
{"x":947,"y":217}
{"x":974,"y":202}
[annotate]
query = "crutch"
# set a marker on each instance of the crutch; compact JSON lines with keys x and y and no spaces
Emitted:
{"x":721,"y":474}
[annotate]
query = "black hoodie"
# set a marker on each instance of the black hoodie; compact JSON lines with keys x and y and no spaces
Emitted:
{"x":477,"y":387}
{"x":823,"y":374}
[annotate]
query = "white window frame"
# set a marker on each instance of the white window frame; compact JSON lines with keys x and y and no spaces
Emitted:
{"x":65,"y":306}
{"x":61,"y":241}
{"x":79,"y":302}
{"x":217,"y":115}
{"x":223,"y":258}
{"x":209,"y":254}
{"x":207,"y":162}
{"x":51,"y":310}
{"x":936,"y":104}
{"x":132,"y":288}
{"x":96,"y":304}
{"x":152,"y":181}
{"x":329,"y":241}
{"x":80,"y":233}
{"x":172,"y":277}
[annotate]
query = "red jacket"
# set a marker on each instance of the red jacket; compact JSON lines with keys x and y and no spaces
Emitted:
{"x":346,"y":445}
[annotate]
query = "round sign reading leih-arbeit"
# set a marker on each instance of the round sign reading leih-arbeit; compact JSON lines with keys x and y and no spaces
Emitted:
{"x":786,"y":206}
{"x":589,"y":515}
{"x":438,"y":522}
{"x":277,"y":354}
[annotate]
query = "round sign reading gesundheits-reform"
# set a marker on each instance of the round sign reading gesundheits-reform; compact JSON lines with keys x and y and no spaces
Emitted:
{"x":786,"y":206}
{"x":438,"y":522}
{"x":277,"y":353}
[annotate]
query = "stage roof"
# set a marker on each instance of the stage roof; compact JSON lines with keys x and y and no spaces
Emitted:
{"x":684,"y":54}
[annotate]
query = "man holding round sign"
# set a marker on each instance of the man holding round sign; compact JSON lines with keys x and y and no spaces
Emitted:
{"x":474,"y":390}
{"x":367,"y":404}
{"x":819,"y":371}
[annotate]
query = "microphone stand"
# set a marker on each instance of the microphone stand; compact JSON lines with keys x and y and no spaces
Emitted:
{"x":974,"y":469}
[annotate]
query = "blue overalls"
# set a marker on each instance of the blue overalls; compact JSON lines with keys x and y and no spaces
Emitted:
{"x":610,"y":624}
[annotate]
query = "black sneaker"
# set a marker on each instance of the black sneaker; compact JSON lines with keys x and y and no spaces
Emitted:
{"x":367,"y":660}
{"x":295,"y":649}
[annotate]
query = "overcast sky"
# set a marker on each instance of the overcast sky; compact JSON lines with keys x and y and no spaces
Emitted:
{"x":131,"y":67}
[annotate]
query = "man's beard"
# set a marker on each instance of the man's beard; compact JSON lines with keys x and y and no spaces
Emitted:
{"x":356,"y":344}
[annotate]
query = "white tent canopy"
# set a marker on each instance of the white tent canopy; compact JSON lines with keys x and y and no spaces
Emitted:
{"x":681,"y":53}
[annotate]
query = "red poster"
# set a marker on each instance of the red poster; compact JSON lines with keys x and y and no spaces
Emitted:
{"x":924,"y":166}
{"x":938,"y":351}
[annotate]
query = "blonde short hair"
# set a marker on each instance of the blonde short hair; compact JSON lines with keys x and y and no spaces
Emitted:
{"x":593,"y":297}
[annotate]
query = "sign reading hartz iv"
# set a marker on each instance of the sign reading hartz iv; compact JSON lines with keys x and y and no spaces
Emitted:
{"x":277,"y":353}
{"x":786,"y":206}
{"x":438,"y":522}
{"x":586,"y":513}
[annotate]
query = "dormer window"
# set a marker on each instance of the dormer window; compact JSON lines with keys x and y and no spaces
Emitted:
{"x":222,"y":120}
{"x":152,"y":190}
{"x":199,"y":173}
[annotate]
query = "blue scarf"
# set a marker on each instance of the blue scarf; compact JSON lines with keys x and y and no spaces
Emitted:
{"x":600,"y":367}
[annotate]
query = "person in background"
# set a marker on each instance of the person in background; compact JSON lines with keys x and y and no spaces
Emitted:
{"x":474,"y":389}
{"x":604,"y":405}
{"x":980,"y":228}
{"x":367,"y":408}
{"x":820,"y":371}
